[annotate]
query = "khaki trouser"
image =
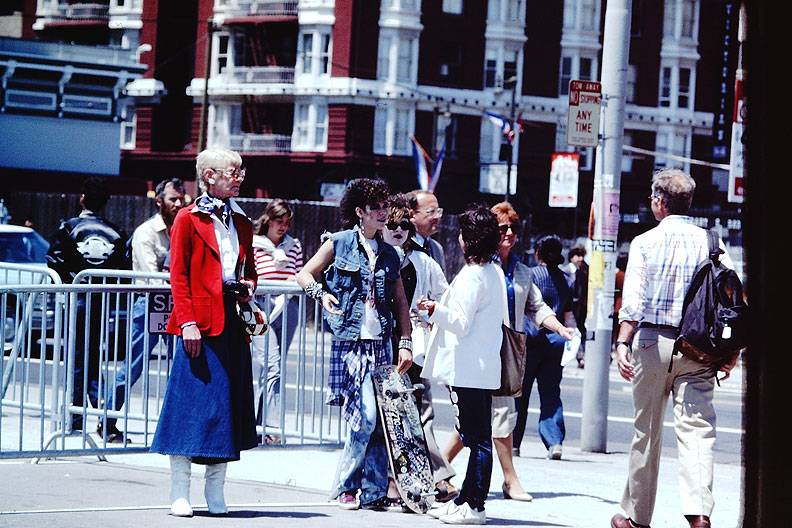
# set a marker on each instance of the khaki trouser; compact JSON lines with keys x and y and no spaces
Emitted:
{"x":691,"y":385}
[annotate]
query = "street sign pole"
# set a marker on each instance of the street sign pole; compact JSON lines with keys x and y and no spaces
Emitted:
{"x":602,"y":266}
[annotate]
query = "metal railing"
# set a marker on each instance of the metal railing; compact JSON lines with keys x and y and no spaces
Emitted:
{"x":259,"y":74}
{"x":260,"y":142}
{"x":256,"y":7}
{"x":47,"y":410}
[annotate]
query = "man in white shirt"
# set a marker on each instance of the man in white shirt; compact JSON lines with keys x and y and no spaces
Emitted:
{"x":150,"y":253}
{"x":425,"y":214}
{"x":660,"y":268}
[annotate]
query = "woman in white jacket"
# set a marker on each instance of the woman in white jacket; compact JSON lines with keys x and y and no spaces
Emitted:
{"x":464,"y":354}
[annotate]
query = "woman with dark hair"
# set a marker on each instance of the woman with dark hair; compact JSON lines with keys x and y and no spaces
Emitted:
{"x":545,"y":348}
{"x":361,"y":293}
{"x":278,"y":257}
{"x":464,"y":354}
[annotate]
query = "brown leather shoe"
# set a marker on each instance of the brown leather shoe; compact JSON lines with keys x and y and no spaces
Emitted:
{"x":698,"y":521}
{"x":620,"y":521}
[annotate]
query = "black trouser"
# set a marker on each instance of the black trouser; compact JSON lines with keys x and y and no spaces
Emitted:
{"x":474,"y":423}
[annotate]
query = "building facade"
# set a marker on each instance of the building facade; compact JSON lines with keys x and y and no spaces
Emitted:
{"x":316,"y":92}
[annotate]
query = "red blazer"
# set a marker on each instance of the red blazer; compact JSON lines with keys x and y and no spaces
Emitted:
{"x":196,"y":271}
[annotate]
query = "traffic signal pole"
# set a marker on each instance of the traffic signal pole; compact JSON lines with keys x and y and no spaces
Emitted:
{"x":602,"y":266}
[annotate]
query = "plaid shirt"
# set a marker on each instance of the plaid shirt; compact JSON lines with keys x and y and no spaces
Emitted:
{"x":659,"y":270}
{"x":350,"y":362}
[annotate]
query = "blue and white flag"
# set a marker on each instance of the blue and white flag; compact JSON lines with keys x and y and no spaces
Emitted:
{"x":426,"y":181}
{"x":499,"y":121}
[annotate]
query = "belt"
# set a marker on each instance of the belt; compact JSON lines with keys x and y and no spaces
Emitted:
{"x":658,"y":326}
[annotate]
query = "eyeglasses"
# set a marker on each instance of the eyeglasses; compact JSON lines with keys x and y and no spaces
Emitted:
{"x":404,"y":224}
{"x":504,"y":228}
{"x":232,"y":173}
{"x":434,"y":211}
{"x":653,"y":196}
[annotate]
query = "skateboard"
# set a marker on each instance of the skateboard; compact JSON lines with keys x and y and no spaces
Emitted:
{"x":404,"y":438}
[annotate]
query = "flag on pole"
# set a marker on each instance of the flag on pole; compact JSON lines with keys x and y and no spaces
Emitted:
{"x":421,"y":158}
{"x":427,"y":179}
{"x":504,"y":124}
{"x":436,"y":166}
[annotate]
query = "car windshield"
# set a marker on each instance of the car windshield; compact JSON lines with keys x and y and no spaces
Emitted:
{"x":23,"y":247}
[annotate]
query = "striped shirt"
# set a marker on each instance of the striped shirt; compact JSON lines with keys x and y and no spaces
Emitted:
{"x":659,"y":270}
{"x":277,"y":263}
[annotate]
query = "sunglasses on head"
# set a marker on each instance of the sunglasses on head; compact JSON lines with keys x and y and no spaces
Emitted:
{"x":404,"y":224}
{"x":505,"y":228}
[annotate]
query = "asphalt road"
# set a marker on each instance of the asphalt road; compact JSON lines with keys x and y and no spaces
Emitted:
{"x":728,"y":406}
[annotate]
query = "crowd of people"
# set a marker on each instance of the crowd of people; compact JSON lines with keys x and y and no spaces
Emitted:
{"x":382,"y":285}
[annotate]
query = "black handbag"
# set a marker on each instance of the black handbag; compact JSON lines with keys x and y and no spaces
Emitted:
{"x":512,"y":354}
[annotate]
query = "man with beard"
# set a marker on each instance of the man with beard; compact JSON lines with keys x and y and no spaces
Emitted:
{"x":150,"y":253}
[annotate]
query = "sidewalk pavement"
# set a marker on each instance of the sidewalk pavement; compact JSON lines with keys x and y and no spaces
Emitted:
{"x":288,"y":487}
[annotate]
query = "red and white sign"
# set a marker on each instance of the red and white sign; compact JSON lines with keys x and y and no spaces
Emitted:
{"x":737,"y":162}
{"x":563,"y":180}
{"x":583,"y":117}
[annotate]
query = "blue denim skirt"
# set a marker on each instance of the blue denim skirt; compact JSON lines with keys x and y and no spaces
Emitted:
{"x":208,"y":413}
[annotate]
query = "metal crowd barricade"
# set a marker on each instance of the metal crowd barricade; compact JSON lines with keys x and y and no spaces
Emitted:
{"x":31,"y":330}
{"x":95,"y":318}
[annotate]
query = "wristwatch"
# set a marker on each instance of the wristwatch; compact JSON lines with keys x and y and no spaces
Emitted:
{"x":625,"y":343}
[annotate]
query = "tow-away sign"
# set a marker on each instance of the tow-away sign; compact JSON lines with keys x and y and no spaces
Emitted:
{"x":584,"y":113}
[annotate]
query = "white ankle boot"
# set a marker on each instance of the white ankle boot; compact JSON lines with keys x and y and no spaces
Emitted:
{"x":213,"y":488}
{"x":180,"y":486}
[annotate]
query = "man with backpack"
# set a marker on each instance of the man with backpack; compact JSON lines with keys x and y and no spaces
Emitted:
{"x":661,"y":266}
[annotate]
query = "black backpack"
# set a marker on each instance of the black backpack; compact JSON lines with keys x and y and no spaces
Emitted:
{"x":714,"y":314}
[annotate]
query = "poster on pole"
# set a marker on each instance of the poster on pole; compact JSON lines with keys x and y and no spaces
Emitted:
{"x":583,"y":116}
{"x":563,"y":180}
{"x":737,"y":170}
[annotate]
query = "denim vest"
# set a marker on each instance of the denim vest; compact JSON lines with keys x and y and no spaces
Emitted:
{"x":347,"y":279}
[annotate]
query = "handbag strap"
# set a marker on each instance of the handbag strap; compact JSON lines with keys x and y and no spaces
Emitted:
{"x":504,"y":294}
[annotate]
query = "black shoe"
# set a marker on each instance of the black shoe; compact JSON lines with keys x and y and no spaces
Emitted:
{"x":114,"y":436}
{"x":380,"y":504}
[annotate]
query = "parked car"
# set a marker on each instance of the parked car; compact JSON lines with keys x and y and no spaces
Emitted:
{"x":22,"y":245}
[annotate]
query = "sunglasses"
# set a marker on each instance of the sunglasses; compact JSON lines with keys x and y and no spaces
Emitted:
{"x":505,"y":228}
{"x":404,"y":224}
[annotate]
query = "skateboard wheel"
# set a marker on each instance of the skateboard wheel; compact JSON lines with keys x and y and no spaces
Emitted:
{"x":403,"y":470}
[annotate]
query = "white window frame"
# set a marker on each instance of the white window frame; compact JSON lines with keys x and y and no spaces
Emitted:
{"x":681,"y":19}
{"x":405,"y":61}
{"x":494,"y":10}
{"x":665,"y":96}
{"x":307,"y":125}
{"x":574,"y":73}
{"x":454,"y":7}
{"x":589,"y":15}
{"x":491,"y":56}
{"x":388,"y":116}
{"x":129,"y":124}
{"x":688,"y":19}
{"x":219,"y":55}
{"x":319,"y":61}
{"x":565,"y":77}
{"x":671,"y":99}
{"x":687,"y":91}
{"x":570,"y":14}
{"x":671,"y":141}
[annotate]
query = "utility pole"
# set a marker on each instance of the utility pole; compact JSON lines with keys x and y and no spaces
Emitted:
{"x":607,"y":183}
{"x":513,"y":82}
{"x":205,"y":99}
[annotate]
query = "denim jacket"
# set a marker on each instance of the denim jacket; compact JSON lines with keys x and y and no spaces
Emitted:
{"x":347,"y":279}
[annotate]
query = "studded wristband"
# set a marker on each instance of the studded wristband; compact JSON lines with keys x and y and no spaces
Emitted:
{"x":405,"y":343}
{"x":315,"y":291}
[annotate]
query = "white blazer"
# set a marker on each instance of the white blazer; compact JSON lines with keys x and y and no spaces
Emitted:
{"x":464,"y":346}
{"x":430,"y":283}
